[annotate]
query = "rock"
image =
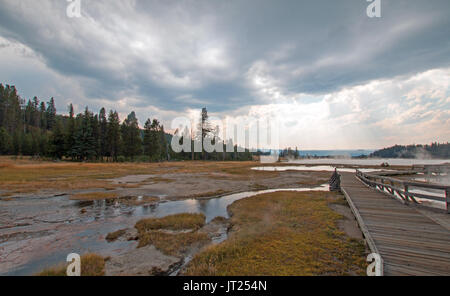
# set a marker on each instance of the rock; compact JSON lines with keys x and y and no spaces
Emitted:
{"x":131,"y":234}
{"x":143,"y":261}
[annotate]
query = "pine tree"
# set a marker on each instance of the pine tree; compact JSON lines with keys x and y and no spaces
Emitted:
{"x":84,"y":146}
{"x":5,"y":142}
{"x":96,"y":134}
{"x":204,"y":129}
{"x":27,"y":144}
{"x":147,"y":142}
{"x":11,"y":117}
{"x":70,"y":134}
{"x":164,"y":147}
{"x":2,"y":106}
{"x":113,"y":135}
{"x":103,"y":129}
{"x":50,"y":114}
{"x":35,"y":116}
{"x":131,"y":136}
{"x":58,"y":148}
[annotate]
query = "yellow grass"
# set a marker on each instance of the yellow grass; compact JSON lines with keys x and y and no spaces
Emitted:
{"x":26,"y":176}
{"x":149,"y":232}
{"x":91,"y":265}
{"x":172,"y":222}
{"x":112,"y":236}
{"x":172,"y":244}
{"x":283,"y":233}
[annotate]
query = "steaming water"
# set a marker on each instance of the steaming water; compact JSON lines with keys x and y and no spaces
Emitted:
{"x":370,"y":161}
{"x":326,"y":168}
{"x":39,"y":232}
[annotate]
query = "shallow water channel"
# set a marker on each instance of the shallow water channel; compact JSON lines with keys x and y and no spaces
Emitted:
{"x":38,"y":232}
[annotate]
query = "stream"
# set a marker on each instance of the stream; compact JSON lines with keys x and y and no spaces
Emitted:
{"x":38,"y":232}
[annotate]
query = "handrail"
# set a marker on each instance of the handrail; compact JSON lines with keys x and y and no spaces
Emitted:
{"x":335,"y":181}
{"x":400,"y":188}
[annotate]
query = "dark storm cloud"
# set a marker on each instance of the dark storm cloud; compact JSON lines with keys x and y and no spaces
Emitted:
{"x":226,"y":54}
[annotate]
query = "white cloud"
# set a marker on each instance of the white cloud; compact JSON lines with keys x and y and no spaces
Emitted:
{"x":402,"y":110}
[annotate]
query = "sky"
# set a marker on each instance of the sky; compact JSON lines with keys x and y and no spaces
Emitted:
{"x":333,"y":77}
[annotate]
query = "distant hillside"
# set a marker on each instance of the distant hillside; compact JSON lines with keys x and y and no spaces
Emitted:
{"x":435,"y":150}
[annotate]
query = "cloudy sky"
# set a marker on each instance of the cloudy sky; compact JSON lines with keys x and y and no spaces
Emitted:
{"x":336,"y":78}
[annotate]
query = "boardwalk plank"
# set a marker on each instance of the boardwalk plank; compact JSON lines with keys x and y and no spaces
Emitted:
{"x":409,"y":242}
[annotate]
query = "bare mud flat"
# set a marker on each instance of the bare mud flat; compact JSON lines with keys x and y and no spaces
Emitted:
{"x":175,"y":186}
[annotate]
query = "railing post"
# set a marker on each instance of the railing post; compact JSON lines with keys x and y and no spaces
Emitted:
{"x":406,"y":193}
{"x":447,"y":199}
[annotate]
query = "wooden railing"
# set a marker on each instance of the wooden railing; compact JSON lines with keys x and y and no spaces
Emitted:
{"x":335,"y":181}
{"x":402,"y":189}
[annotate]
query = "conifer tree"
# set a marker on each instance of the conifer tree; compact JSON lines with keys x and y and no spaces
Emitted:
{"x":103,"y":129}
{"x":57,"y":148}
{"x":50,"y":114}
{"x":131,"y":136}
{"x":113,"y":135}
{"x":84,"y":146}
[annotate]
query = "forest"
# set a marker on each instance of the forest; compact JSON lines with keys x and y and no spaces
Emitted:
{"x":33,"y":128}
{"x":434,"y":150}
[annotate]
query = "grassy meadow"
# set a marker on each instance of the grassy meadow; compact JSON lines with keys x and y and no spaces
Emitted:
{"x":284,"y":233}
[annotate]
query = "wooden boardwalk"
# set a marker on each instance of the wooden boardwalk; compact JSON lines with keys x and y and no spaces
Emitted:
{"x":409,"y":242}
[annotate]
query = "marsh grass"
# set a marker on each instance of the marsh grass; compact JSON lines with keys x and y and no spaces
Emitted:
{"x":172,"y":244}
{"x":283,"y":233}
{"x":172,"y":222}
{"x":91,"y":265}
{"x":26,"y":176}
{"x":113,"y":236}
{"x":151,"y":232}
{"x":219,"y":219}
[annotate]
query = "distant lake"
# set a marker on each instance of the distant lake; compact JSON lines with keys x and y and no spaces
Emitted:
{"x":323,"y":153}
{"x":369,"y":161}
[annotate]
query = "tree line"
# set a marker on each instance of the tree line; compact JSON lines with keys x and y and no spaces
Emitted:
{"x":33,"y":128}
{"x":434,"y":150}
